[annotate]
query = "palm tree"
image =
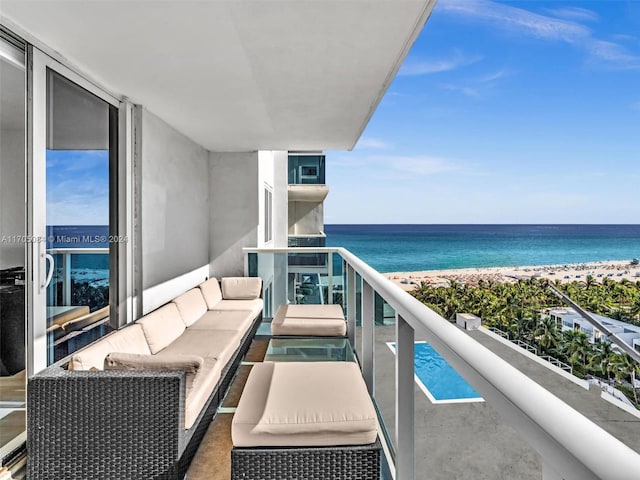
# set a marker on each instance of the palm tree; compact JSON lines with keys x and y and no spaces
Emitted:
{"x":546,"y":333}
{"x":627,"y":367}
{"x":577,"y":347}
{"x":603,"y":359}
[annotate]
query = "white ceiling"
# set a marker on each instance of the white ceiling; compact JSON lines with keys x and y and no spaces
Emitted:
{"x":237,"y":75}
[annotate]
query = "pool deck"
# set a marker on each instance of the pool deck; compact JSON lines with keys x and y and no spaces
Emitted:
{"x":470,"y":440}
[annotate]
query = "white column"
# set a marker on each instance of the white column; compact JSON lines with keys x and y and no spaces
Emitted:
{"x":66,"y":278}
{"x":367,"y":336}
{"x":351,"y":305}
{"x":405,"y":408}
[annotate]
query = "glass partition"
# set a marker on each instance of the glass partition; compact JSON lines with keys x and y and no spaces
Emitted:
{"x":80,"y":159}
{"x":12,"y":248}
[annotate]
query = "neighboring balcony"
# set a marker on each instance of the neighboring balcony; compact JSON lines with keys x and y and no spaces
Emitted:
{"x":306,"y":169}
{"x":307,"y":193}
{"x":307,"y":178}
{"x":522,"y":419}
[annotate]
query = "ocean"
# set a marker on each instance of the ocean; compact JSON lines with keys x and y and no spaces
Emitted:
{"x":403,"y":248}
{"x":92,"y":268}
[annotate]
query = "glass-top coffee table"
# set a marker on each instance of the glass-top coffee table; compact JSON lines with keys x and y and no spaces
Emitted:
{"x":321,"y":349}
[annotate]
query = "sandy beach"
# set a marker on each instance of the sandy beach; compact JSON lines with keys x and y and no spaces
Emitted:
{"x":614,"y":270}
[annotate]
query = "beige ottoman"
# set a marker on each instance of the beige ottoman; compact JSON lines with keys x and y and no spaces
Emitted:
{"x":312,"y":420}
{"x":290,"y":404}
{"x":309,"y":321}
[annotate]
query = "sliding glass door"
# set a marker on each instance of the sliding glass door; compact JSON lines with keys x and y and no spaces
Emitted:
{"x":12,"y":246}
{"x":74,"y":205}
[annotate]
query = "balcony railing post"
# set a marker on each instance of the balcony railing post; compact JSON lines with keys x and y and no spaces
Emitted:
{"x":330,"y":278}
{"x":66,"y":278}
{"x":367,"y":335}
{"x":351,"y":305}
{"x":405,"y":407}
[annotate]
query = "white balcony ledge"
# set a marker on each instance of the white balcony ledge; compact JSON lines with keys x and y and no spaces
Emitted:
{"x":307,"y":193}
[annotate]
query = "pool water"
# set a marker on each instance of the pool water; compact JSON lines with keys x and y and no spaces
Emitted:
{"x":437,"y":379}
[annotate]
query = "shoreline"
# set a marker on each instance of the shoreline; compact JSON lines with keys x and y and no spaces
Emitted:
{"x":613,"y":270}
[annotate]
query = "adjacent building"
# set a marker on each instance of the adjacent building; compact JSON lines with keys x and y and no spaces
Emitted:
{"x":569,"y":319}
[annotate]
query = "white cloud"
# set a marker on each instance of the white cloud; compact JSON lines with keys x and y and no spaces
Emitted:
{"x":492,"y":77}
{"x":415,"y":66}
{"x":614,"y":54}
{"x":371,"y":143}
{"x":468,"y":91}
{"x":636,"y":105}
{"x":518,"y":19}
{"x":574,"y":13}
{"x":568,"y":30}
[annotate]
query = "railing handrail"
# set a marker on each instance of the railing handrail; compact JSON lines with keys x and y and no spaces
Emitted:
{"x":75,"y":251}
{"x":569,"y":442}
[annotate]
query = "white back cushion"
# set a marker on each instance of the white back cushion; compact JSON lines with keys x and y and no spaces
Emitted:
{"x":129,"y":339}
{"x":211,"y":292}
{"x":191,"y":306}
{"x":162,"y":326}
{"x":241,"y":288}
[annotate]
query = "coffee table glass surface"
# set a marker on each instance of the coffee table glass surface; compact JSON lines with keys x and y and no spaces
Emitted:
{"x":320,"y":349}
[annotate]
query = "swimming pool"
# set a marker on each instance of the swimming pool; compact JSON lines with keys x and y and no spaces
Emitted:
{"x":437,"y":379}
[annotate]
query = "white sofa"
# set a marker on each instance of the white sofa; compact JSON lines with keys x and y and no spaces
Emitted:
{"x":174,"y":364}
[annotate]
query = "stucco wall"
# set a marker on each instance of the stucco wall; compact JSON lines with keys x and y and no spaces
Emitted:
{"x":174,"y":203}
{"x":306,"y":218}
{"x":234,"y":211}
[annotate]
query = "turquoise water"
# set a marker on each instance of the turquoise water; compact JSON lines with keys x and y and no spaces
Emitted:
{"x":438,"y":377}
{"x":396,"y":248}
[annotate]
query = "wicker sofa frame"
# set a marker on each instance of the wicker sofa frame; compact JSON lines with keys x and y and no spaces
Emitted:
{"x":345,"y":462}
{"x":116,"y":425}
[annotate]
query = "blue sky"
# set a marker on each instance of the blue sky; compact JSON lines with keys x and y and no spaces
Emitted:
{"x":504,"y":112}
{"x":77,"y":187}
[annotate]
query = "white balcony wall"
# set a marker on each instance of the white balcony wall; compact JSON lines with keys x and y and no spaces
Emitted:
{"x":237,"y":206}
{"x":234,"y":210}
{"x":174,"y":211}
{"x":306,"y":218}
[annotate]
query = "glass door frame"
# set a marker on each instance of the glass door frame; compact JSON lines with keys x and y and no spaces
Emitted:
{"x":39,"y":63}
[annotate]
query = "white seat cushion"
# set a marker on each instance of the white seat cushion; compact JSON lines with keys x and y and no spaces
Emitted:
{"x":218,"y":344}
{"x":313,"y":311}
{"x":255,"y":306}
{"x":304,"y":404}
{"x":237,"y":320}
{"x":309,"y":322}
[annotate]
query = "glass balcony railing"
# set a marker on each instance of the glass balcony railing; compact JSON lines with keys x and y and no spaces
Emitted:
{"x":77,"y":299}
{"x":306,"y":169}
{"x":307,"y":259}
{"x":382,"y":318}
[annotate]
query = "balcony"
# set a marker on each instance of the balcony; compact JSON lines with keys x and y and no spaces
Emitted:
{"x":306,"y":170}
{"x":533,"y":422}
{"x":307,"y":193}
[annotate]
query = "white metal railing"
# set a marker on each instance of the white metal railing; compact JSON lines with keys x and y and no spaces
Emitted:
{"x":66,"y":265}
{"x":572,"y":447}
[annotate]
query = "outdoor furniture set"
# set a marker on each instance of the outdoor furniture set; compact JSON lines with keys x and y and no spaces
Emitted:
{"x":136,"y":403}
